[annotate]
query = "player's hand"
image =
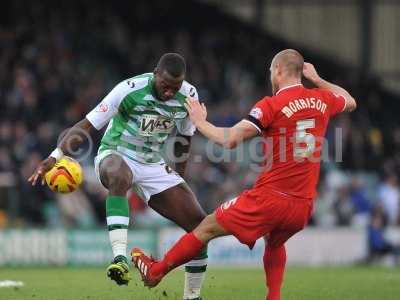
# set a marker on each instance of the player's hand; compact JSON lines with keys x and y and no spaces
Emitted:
{"x":197,"y":112}
{"x":310,"y":73}
{"x":42,"y":169}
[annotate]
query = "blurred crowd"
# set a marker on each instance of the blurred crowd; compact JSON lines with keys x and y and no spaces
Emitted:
{"x":58,"y":61}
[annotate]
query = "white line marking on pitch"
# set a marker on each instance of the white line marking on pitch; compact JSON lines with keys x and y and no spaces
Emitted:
{"x":10,"y":283}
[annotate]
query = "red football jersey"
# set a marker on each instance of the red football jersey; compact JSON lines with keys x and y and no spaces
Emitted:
{"x":293,"y":124}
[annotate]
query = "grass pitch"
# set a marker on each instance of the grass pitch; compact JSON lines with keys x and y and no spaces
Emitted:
{"x":350,"y":283}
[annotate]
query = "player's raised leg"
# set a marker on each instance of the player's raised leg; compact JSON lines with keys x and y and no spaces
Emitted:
{"x":117,"y":178}
{"x":184,"y":250}
{"x":179,"y":205}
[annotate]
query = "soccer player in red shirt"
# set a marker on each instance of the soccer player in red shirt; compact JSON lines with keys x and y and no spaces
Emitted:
{"x":293,"y":123}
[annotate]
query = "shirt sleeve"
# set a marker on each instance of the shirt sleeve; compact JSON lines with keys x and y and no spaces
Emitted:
{"x":337,"y":103}
{"x":261,"y":114}
{"x":185,"y":126}
{"x":108,"y":107}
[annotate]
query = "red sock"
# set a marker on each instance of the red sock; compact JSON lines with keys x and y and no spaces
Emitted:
{"x":274,"y":266}
{"x":182,"y":252}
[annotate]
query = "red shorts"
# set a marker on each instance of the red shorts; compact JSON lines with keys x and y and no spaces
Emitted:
{"x":259,"y":213}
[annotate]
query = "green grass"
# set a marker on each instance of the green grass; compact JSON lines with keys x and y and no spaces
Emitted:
{"x":350,"y":283}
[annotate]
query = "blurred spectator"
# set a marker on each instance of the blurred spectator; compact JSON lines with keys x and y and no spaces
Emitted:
{"x":361,"y":206}
{"x":343,"y":207}
{"x":389,"y":196}
{"x":75,"y":209}
{"x":378,"y":245}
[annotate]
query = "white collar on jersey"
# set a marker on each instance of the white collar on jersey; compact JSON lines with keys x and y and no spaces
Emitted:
{"x":288,"y":87}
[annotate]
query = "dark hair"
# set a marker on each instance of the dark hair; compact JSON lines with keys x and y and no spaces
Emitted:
{"x":173,"y":63}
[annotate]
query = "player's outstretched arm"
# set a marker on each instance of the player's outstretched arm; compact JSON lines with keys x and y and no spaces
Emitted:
{"x":311,"y":74}
{"x":72,"y":139}
{"x":228,"y":137}
{"x":95,"y":119}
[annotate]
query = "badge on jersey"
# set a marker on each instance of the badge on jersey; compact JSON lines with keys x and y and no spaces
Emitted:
{"x":256,"y":112}
{"x":153,"y":124}
{"x":102,"y":107}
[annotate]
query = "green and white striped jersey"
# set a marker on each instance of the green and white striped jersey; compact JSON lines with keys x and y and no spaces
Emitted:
{"x":139,"y":123}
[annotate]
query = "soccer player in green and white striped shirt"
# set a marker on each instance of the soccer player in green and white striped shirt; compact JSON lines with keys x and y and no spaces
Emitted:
{"x":141,"y":113}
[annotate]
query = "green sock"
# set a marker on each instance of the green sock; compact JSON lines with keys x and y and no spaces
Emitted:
{"x":194,"y":275}
{"x":117,"y":211}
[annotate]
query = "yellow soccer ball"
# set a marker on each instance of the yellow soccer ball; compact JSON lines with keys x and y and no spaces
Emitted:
{"x":65,"y":176}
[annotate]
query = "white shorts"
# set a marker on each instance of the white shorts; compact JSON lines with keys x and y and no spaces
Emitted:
{"x":148,"y":179}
